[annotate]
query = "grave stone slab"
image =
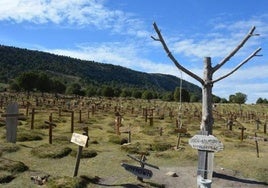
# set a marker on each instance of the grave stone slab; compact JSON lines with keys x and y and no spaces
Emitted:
{"x":11,"y":115}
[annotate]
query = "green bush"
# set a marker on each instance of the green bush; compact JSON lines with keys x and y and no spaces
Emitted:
{"x":28,"y":136}
{"x":115,"y":139}
{"x":51,"y":151}
{"x":12,"y":166}
{"x":6,"y":177}
{"x":160,"y":146}
{"x":85,"y":153}
{"x":136,"y":148}
{"x":69,"y":182}
{"x":8,"y":147}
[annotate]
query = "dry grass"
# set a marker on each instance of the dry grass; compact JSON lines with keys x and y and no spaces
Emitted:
{"x":105,"y":153}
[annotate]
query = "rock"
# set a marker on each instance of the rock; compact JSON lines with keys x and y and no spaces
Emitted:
{"x":172,"y":174}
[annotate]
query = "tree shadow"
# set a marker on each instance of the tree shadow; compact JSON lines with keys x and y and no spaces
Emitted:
{"x":97,"y":181}
{"x":129,"y":185}
{"x":232,"y":178}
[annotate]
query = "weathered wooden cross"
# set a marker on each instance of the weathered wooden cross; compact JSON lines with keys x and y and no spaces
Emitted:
{"x":242,"y":132}
{"x":12,"y":114}
{"x":256,"y":139}
{"x":51,"y":125}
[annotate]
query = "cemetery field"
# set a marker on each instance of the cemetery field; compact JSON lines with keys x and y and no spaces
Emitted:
{"x":122,"y":129}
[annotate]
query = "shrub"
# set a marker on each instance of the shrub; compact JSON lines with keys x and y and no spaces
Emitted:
{"x":28,"y":136}
{"x":12,"y":166}
{"x":85,"y":153}
{"x":51,"y":151}
{"x":8,"y":147}
{"x":5,"y":177}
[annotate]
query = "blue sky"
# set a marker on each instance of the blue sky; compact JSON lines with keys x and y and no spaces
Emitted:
{"x":119,"y":32}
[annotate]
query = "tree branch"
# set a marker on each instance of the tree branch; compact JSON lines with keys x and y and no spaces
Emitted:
{"x":227,"y":58}
{"x":238,"y":66}
{"x":178,"y":65}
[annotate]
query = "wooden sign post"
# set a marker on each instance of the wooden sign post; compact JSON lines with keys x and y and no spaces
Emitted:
{"x":81,"y":141}
{"x":12,"y":114}
{"x":206,"y":146}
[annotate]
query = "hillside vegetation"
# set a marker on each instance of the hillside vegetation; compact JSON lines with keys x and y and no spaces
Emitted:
{"x":15,"y":61}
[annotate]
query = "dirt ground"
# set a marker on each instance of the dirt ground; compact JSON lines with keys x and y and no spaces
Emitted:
{"x":187,"y":178}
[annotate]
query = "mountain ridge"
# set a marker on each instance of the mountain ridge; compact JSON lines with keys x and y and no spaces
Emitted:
{"x":15,"y":60}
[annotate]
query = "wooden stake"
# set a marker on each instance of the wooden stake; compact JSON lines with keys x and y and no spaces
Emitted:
{"x":72,"y":121}
{"x":80,"y":116}
{"x":242,"y":132}
{"x":51,"y":124}
{"x":143,"y":158}
{"x":32,"y":120}
{"x":78,"y":156}
{"x":257,"y":145}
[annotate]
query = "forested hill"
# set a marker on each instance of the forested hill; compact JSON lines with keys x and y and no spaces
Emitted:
{"x":14,"y":61}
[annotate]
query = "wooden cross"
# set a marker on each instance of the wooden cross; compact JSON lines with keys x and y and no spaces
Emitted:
{"x":51,"y":124}
{"x":256,"y":139}
{"x":242,"y":132}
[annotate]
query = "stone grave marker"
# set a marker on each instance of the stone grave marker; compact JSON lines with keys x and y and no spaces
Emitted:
{"x":12,"y":114}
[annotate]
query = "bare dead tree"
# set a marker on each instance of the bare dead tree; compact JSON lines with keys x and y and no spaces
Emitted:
{"x":207,"y":80}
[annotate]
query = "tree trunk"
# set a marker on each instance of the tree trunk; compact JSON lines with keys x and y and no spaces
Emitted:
{"x":207,"y":116}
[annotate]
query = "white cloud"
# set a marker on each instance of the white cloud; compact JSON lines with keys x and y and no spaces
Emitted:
{"x":82,"y":13}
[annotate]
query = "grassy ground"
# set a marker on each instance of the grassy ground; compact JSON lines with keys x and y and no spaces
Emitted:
{"x":58,"y":159}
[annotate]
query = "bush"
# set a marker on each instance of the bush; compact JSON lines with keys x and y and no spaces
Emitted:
{"x":85,"y":153}
{"x":135,"y":149}
{"x":51,"y":151}
{"x":69,"y":182}
{"x":8,"y":147}
{"x":28,"y":136}
{"x":12,"y":166}
{"x":115,"y":139}
{"x":5,"y":177}
{"x":159,"y":146}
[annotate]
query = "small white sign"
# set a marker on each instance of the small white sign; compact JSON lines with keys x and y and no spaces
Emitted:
{"x":207,"y":143}
{"x":79,"y":139}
